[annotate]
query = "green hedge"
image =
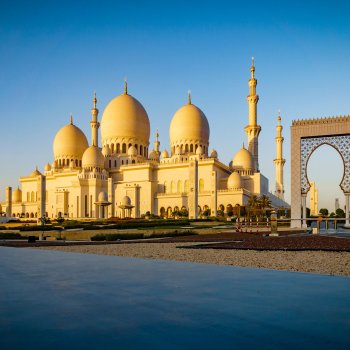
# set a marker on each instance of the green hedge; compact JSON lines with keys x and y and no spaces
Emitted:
{"x":38,"y":228}
{"x":10,"y":235}
{"x":129,"y":236}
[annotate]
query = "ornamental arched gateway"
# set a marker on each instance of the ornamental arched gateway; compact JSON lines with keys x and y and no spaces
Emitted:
{"x":306,"y":136}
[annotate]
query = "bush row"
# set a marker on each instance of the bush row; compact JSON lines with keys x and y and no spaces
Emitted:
{"x":129,"y":236}
{"x":10,"y":235}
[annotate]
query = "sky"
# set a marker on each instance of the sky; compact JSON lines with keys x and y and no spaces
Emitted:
{"x":54,"y":54}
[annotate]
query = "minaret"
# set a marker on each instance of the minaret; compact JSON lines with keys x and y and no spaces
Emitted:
{"x":279,"y":161}
{"x":253,"y":129}
{"x":157,"y":144}
{"x":94,"y":124}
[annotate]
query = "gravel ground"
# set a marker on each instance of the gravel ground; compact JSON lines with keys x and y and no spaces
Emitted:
{"x":332,"y":263}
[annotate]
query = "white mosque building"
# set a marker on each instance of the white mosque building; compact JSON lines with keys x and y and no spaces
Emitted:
{"x":125,"y":178}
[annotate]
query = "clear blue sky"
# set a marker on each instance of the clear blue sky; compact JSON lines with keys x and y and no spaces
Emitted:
{"x":54,"y":54}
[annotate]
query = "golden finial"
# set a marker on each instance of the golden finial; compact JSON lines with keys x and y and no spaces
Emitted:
{"x":95,"y":100}
{"x":125,"y":86}
{"x":243,"y":145}
{"x":252,"y":68}
{"x":71,"y":119}
{"x":189,"y":97}
{"x":279,"y":117}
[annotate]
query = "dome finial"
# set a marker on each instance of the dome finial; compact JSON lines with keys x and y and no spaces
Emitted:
{"x":125,"y":86}
{"x":71,"y":119}
{"x":252,"y":68}
{"x":189,"y":97}
{"x":95,"y":100}
{"x":279,"y":117}
{"x":243,"y":145}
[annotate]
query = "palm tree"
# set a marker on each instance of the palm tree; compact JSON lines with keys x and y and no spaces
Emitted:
{"x":265,"y":203}
{"x":252,"y":205}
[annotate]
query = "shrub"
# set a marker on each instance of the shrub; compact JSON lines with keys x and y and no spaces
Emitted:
{"x":10,"y":235}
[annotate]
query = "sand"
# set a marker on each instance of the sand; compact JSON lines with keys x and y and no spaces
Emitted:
{"x":330,"y":263}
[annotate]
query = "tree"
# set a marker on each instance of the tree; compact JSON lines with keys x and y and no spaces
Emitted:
{"x":340,"y":213}
{"x":324,"y":211}
{"x":264,"y":203}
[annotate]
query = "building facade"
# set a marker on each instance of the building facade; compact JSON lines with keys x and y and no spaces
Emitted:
{"x":124,"y":177}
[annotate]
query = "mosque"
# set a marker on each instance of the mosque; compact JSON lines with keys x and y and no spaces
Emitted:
{"x":125,"y":178}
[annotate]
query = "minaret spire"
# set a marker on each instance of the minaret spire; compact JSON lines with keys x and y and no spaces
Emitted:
{"x":279,"y":161}
{"x":253,"y":129}
{"x":94,"y":124}
{"x":157,"y":143}
{"x":125,"y":86}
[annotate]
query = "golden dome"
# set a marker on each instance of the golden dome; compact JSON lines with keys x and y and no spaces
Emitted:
{"x":36,"y":172}
{"x":47,"y":167}
{"x":125,"y":117}
{"x":189,"y":125}
{"x":213,"y":154}
{"x":93,"y":158}
{"x":199,"y":151}
{"x":70,"y":142}
{"x":234,"y":181}
{"x":165,"y":154}
{"x":243,"y":159}
{"x":17,"y":196}
{"x":153,"y":155}
{"x":102,"y":197}
{"x":106,"y":151}
{"x":132,"y":151}
{"x":126,"y":201}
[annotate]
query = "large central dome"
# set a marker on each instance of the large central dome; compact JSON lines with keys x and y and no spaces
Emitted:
{"x":125,"y":120}
{"x":69,"y":144}
{"x":189,"y":129}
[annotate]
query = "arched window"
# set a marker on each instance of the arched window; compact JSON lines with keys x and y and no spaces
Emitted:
{"x":179,"y":186}
{"x":118,"y":147}
{"x":191,"y":148}
{"x":63,"y":162}
{"x":186,"y":186}
{"x":110,"y":163}
{"x":122,"y":162}
{"x":141,"y":150}
{"x":80,"y":163}
{"x":112,"y":148}
{"x":124,"y":148}
{"x":201,"y":185}
{"x":186,"y":148}
{"x":173,"y":187}
{"x":115,"y":163}
{"x":195,"y":149}
{"x":162,"y":212}
{"x":133,"y":161}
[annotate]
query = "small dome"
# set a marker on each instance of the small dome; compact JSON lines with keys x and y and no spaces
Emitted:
{"x":126,"y":201}
{"x":106,"y":151}
{"x":132,"y":151}
{"x":165,"y":154}
{"x":93,"y":158}
{"x":243,"y":159}
{"x":189,"y":124}
{"x":234,"y":181}
{"x":177,"y":150}
{"x":17,"y":196}
{"x":70,"y":142}
{"x":153,"y":155}
{"x":47,"y":167}
{"x":36,"y":172}
{"x":125,"y":117}
{"x":213,"y":154}
{"x":199,"y":151}
{"x":102,"y":197}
